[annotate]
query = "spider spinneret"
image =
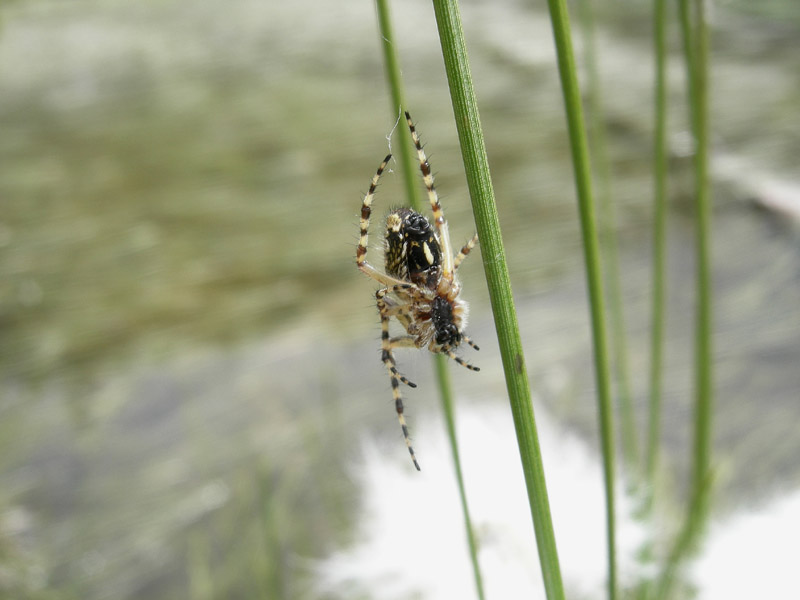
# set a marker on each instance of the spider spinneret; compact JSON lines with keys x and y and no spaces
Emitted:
{"x":419,"y":289}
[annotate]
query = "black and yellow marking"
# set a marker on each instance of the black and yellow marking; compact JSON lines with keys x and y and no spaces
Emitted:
{"x":433,"y":198}
{"x":394,"y":255}
{"x":412,"y":250}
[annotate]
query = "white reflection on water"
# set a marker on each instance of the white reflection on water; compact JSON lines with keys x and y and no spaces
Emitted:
{"x":753,"y":553}
{"x":413,"y":543}
{"x":414,"y":535}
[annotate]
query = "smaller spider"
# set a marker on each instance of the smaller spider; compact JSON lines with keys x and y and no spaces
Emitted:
{"x":419,"y":288}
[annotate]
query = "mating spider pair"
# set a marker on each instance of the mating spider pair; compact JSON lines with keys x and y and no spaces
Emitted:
{"x":419,"y":288}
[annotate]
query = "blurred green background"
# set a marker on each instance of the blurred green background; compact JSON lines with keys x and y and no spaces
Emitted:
{"x":188,"y":356}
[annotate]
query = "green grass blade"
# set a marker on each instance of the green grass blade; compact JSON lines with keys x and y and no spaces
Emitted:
{"x":684,"y":543}
{"x":660,"y":167}
{"x":695,"y":42}
{"x":703,"y":347}
{"x":580,"y":158}
{"x":695,"y":45}
{"x":404,"y":153}
{"x":409,"y":166}
{"x":608,"y":237}
{"x":470,"y":135}
{"x":443,"y":376}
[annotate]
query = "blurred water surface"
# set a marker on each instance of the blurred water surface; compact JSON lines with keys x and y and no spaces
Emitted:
{"x":187,"y":353}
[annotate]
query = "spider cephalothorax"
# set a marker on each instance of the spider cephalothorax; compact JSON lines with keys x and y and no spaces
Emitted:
{"x":448,"y":333}
{"x":419,"y":289}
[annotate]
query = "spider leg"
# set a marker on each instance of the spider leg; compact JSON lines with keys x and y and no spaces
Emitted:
{"x":386,"y":311}
{"x":465,"y":251}
{"x":394,"y":376}
{"x":387,"y":357}
{"x":406,"y":317}
{"x":461,"y":361}
{"x":405,"y":341}
{"x":390,"y":307}
{"x":433,"y":197}
{"x":361,"y":249}
{"x":469,"y":341}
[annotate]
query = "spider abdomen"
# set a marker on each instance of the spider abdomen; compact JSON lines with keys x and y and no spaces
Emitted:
{"x":412,"y":252}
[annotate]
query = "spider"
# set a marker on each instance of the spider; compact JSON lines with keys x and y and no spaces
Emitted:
{"x":419,"y":288}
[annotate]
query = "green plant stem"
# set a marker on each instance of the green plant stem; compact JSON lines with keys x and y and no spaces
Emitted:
{"x":695,"y":43}
{"x":608,"y":237}
{"x":703,"y":348}
{"x":465,"y":109}
{"x":695,"y":47}
{"x":446,"y":394}
{"x":580,"y":158}
{"x":659,"y":238}
{"x":682,"y":546}
{"x":409,"y":167}
{"x":405,"y":154}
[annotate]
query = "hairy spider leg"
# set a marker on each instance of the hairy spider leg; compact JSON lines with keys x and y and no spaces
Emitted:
{"x":361,"y":249}
{"x":387,"y":344}
{"x":387,"y":311}
{"x":464,"y":252}
{"x":469,"y":341}
{"x":433,"y":197}
{"x":461,"y":361}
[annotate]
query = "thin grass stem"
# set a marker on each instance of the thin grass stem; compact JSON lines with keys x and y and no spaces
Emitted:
{"x":446,"y":393}
{"x":695,"y":43}
{"x":695,"y":46}
{"x":465,"y":109}
{"x":660,"y":167}
{"x":405,"y":154}
{"x":580,"y":158}
{"x":703,"y":345}
{"x":409,"y":168}
{"x":608,"y":237}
